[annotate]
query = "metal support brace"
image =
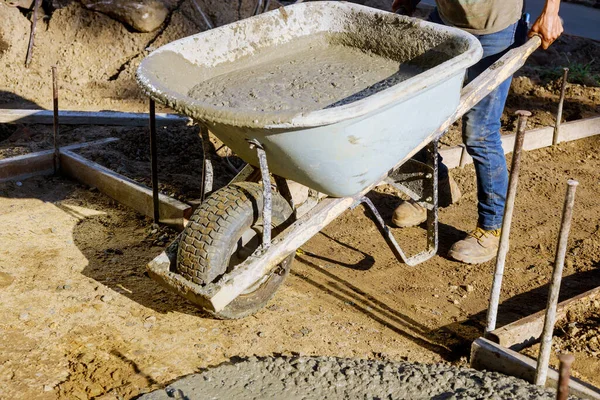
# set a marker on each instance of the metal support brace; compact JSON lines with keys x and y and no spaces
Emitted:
{"x":154,"y":162}
{"x":267,"y":195}
{"x":431,"y":203}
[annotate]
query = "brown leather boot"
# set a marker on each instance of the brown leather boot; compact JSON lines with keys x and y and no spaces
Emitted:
{"x":409,"y":213}
{"x":480,"y":246}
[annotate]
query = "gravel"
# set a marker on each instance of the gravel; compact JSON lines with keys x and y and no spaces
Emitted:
{"x":292,"y":378}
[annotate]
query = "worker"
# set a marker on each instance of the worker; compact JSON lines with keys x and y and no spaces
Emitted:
{"x":494,"y":23}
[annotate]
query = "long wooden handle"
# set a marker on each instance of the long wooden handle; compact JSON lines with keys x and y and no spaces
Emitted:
{"x":497,"y":73}
{"x":491,"y":78}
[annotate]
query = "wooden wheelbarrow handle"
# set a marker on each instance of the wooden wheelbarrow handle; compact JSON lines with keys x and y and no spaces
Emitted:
{"x":491,"y":78}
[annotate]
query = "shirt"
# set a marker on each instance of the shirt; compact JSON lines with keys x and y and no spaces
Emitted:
{"x":480,"y":17}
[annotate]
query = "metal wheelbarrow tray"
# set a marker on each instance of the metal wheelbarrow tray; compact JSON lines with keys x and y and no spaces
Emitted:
{"x":341,"y":145}
{"x":345,"y":142}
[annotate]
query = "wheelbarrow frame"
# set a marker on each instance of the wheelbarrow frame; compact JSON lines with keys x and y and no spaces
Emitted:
{"x":215,"y":296}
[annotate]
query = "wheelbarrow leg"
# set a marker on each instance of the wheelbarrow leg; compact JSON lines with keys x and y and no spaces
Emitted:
{"x":430,"y":197}
{"x":267,"y":195}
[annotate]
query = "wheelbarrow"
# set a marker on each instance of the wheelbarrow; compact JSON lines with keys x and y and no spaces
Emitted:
{"x":309,"y":160}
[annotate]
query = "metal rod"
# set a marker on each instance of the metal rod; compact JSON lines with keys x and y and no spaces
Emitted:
{"x":541,"y":371}
{"x":266,"y":180}
{"x":506,"y":222}
{"x":55,"y":120}
{"x":203,"y":15}
{"x":207,"y":170}
{"x":259,"y":7}
{"x":564,"y":373}
{"x":432,"y":214}
{"x":154,"y":162}
{"x":463,"y":156}
{"x":560,"y":107}
{"x":32,"y":33}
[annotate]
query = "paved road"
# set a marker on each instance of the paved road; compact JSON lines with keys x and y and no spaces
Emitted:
{"x":578,"y":20}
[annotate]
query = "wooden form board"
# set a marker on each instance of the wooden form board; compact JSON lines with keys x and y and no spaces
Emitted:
{"x":87,"y":118}
{"x":38,"y":163}
{"x":526,"y":331}
{"x":124,"y":190}
{"x":490,"y":356}
{"x":534,"y":139}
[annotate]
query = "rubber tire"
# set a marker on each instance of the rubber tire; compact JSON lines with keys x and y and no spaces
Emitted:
{"x":214,"y":230}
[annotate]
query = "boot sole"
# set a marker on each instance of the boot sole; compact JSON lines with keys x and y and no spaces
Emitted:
{"x":470,"y":260}
{"x":408,"y":224}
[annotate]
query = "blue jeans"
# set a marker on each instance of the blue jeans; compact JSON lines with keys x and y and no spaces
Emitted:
{"x":481,"y":131}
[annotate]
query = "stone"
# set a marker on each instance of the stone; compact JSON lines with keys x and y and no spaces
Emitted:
{"x":141,"y":15}
{"x":24,"y":316}
{"x":5,"y":280}
{"x":105,"y":298}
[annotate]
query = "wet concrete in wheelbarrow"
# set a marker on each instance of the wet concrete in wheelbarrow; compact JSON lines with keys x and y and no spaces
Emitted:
{"x":339,"y":378}
{"x":307,"y":74}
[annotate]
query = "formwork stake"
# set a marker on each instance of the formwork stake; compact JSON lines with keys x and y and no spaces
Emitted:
{"x":560,"y":107}
{"x":564,"y":373}
{"x":541,"y":371}
{"x":154,"y":162}
{"x":55,"y":120}
{"x":506,"y":221}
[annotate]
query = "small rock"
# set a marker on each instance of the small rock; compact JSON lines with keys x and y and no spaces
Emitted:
{"x":305,"y":331}
{"x":5,"y":279}
{"x":151,"y":318}
{"x":456,"y":302}
{"x":297,"y":335}
{"x":48,"y":388}
{"x":261,"y":334}
{"x":148,"y":325}
{"x":453,"y":287}
{"x":24,"y":316}
{"x":19,"y":183}
{"x":436,"y":296}
{"x":105,"y":298}
{"x":469,"y":288}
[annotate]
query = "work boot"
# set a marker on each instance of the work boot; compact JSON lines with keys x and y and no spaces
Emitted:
{"x":480,"y":246}
{"x":409,"y":213}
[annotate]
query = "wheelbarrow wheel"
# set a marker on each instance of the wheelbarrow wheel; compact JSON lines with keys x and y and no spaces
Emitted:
{"x":222,"y":233}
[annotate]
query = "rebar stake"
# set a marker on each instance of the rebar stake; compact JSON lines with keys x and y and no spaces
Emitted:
{"x":541,"y":371}
{"x":564,"y":373}
{"x":560,"y":107}
{"x":506,"y":221}
{"x":55,"y":120}
{"x":154,"y":162}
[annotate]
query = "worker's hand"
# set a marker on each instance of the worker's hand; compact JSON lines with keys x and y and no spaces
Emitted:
{"x":405,"y":6}
{"x":548,"y":25}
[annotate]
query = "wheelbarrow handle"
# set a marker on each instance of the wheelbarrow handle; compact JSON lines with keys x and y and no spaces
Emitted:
{"x":495,"y":74}
{"x":490,"y":79}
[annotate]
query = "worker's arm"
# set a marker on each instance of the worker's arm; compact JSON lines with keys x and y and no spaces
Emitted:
{"x":548,"y":25}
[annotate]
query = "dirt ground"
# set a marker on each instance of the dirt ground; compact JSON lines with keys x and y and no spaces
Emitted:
{"x":82,"y":320}
{"x":578,"y":334}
